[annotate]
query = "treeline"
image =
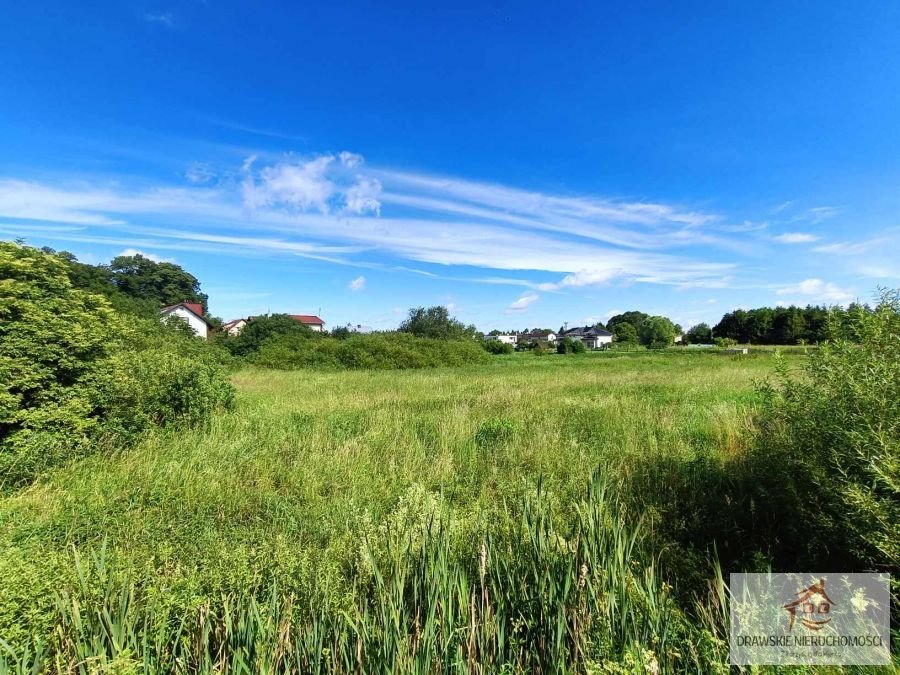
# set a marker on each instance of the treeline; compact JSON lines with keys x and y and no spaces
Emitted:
{"x":790,"y":325}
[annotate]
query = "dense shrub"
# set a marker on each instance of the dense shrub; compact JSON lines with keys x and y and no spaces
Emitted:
{"x":570,"y":346}
{"x":383,"y":351}
{"x":497,"y":347}
{"x":75,"y":376}
{"x":837,"y":428}
{"x":262,"y":329}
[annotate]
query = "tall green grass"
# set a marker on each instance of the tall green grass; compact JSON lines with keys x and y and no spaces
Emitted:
{"x":534,"y":595}
{"x":408,"y":521}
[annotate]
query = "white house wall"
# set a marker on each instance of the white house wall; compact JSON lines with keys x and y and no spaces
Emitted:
{"x":197,"y":324}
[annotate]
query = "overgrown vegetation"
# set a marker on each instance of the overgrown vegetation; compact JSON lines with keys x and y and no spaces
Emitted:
{"x":515,"y":514}
{"x":76,"y":377}
{"x":837,"y":428}
{"x":378,"y":351}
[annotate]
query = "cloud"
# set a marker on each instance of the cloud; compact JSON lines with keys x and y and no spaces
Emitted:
{"x":796,"y":238}
{"x":817,"y":214}
{"x":781,"y":207}
{"x":162,"y":18}
{"x":522,"y":303}
{"x":357,"y":284}
{"x":350,"y":159}
{"x":817,"y":289}
{"x":334,"y":207}
{"x":150,"y":256}
{"x":363,"y":197}
{"x":300,"y":186}
{"x":588,"y":277}
{"x":200,"y":173}
{"x":320,"y":184}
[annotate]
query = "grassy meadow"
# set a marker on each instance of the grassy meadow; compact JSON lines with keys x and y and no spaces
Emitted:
{"x":508,"y":517}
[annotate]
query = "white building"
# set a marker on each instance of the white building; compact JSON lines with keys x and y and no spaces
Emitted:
{"x":234,"y":327}
{"x":311,"y":320}
{"x":547,"y":336}
{"x":507,"y":339}
{"x":192,"y":314}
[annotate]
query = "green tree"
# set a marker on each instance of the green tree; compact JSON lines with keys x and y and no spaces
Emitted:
{"x":436,"y":323}
{"x":164,"y":282}
{"x":657,"y":332}
{"x":699,"y":334}
{"x":625,"y":333}
{"x":634,"y":318}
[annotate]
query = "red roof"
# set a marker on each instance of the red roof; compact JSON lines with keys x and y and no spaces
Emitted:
{"x":308,"y":319}
{"x":193,"y":307}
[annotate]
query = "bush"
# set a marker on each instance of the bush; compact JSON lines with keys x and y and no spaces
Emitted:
{"x":264,"y":328}
{"x":75,"y":376}
{"x":381,"y":351}
{"x":497,"y":347}
{"x":837,"y":428}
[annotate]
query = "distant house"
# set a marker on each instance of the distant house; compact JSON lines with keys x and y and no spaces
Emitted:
{"x":678,"y":339}
{"x":192,"y":314}
{"x":359,"y":328}
{"x":590,"y":337}
{"x":536,"y":336}
{"x":314,"y":322}
{"x":507,"y":339}
{"x":235,"y":326}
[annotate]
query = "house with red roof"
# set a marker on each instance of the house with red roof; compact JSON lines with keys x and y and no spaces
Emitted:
{"x":311,"y":320}
{"x":192,"y":314}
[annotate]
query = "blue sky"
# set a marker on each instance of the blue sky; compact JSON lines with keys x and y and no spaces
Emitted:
{"x":527,"y":164}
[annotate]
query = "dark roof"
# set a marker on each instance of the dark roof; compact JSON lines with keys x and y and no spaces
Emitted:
{"x":586,"y":331}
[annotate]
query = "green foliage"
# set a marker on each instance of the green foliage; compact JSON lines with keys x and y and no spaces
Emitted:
{"x":167,"y":283}
{"x":535,"y":593}
{"x":657,"y":332}
{"x":76,"y":378}
{"x":378,"y":351}
{"x":262,"y":329}
{"x":787,"y":325}
{"x":625,"y":332}
{"x":699,"y":334}
{"x":838,"y":428}
{"x":497,"y":347}
{"x":635,"y":319}
{"x":724,"y":342}
{"x":435,"y":323}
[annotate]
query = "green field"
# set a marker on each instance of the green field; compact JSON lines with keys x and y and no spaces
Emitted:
{"x":316,"y":481}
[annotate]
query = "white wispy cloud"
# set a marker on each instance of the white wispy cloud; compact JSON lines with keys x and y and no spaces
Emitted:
{"x":796,"y":238}
{"x":200,"y":173}
{"x":162,"y":18}
{"x":522,"y":303}
{"x":817,"y":214}
{"x":819,"y":290}
{"x":327,"y":207}
{"x":782,"y":206}
{"x":357,"y":284}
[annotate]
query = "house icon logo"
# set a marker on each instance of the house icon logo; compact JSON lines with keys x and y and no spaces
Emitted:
{"x":811,"y":607}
